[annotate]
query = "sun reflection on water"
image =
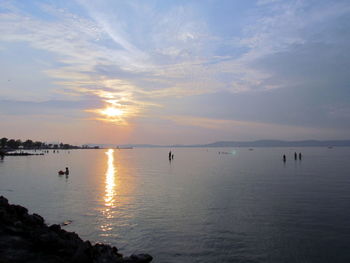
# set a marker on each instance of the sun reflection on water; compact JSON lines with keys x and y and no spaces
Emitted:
{"x":116,"y":197}
{"x":110,"y":193}
{"x":110,"y":180}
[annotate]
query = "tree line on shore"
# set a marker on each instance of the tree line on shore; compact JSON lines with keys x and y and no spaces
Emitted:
{"x":6,"y":143}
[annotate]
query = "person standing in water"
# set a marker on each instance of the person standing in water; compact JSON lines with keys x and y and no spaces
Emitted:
{"x":284,"y":158}
{"x":300,"y":156}
{"x":169,"y":155}
{"x":295,"y":156}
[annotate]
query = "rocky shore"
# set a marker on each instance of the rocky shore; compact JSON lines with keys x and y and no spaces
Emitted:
{"x":26,"y":238}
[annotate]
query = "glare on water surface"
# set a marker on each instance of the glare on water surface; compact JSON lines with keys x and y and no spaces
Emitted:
{"x":110,"y":179}
{"x":110,"y":192}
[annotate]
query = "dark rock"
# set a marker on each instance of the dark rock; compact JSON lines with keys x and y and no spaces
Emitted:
{"x":103,"y":253}
{"x":48,"y":241}
{"x":83,"y":254}
{"x":38,"y":219}
{"x":33,"y":220}
{"x":26,"y":238}
{"x":55,"y":228}
{"x":3,"y":202}
{"x":19,"y":210}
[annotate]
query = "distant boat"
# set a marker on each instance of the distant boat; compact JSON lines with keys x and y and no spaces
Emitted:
{"x":330,"y":147}
{"x":124,"y":148}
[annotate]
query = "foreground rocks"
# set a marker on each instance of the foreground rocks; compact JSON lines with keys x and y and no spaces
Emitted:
{"x":26,"y":238}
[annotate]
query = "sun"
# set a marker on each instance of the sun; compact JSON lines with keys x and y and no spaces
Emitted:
{"x":112,"y":112}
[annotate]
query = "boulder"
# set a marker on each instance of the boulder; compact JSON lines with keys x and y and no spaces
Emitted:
{"x":26,"y":238}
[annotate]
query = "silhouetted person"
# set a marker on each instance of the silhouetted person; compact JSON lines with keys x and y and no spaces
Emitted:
{"x":67,"y":171}
{"x":172,"y":156}
{"x":284,"y":158}
{"x":169,"y":155}
{"x":295,"y":156}
{"x":299,"y":156}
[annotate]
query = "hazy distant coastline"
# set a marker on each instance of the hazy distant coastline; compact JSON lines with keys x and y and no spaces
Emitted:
{"x":12,"y":144}
{"x":258,"y":143}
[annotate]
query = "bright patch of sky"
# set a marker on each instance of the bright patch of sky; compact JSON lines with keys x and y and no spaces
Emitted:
{"x":178,"y":71}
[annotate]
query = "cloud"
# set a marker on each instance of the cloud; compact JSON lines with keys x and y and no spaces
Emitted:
{"x":141,"y":56}
{"x":48,"y":108}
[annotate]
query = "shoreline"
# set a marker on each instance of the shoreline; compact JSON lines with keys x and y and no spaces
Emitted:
{"x":27,"y":238}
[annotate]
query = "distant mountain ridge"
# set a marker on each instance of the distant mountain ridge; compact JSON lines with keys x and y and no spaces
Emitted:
{"x":279,"y":143}
{"x":258,"y":143}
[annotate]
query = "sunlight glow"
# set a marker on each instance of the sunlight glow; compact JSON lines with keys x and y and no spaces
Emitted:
{"x":119,"y":107}
{"x":112,"y":112}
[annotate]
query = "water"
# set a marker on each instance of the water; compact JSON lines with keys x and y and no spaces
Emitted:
{"x":245,"y":206}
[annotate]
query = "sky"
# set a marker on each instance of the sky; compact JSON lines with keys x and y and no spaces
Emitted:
{"x":174,"y":72}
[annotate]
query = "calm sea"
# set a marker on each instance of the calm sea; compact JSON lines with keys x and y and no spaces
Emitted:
{"x":238,"y":206}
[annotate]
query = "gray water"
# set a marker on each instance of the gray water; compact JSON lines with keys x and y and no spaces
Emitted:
{"x":243,"y":206}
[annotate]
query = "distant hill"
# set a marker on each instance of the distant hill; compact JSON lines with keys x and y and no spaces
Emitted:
{"x":259,"y":143}
{"x":278,"y":143}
